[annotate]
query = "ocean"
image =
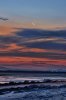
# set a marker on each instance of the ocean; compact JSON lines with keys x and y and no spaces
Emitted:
{"x":44,"y":91}
{"x":20,"y":76}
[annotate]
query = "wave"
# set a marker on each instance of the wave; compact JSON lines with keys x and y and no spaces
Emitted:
{"x":34,"y":92}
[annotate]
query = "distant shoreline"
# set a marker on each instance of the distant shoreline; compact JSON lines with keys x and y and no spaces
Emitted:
{"x":26,"y":71}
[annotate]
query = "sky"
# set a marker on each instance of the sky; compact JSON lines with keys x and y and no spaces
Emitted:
{"x":33,"y":34}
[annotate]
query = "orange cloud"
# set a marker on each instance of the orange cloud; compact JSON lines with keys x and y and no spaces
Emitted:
{"x":30,"y":60}
{"x":8,"y":28}
{"x":5,"y":30}
{"x":15,"y":47}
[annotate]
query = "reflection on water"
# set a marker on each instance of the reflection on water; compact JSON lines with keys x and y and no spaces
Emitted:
{"x":20,"y":77}
{"x":6,"y":79}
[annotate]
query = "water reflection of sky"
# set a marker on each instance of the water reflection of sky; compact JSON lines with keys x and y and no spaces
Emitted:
{"x":6,"y":79}
{"x":18,"y":79}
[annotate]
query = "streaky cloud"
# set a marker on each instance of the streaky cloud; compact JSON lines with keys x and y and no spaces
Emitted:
{"x":4,"y":19}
